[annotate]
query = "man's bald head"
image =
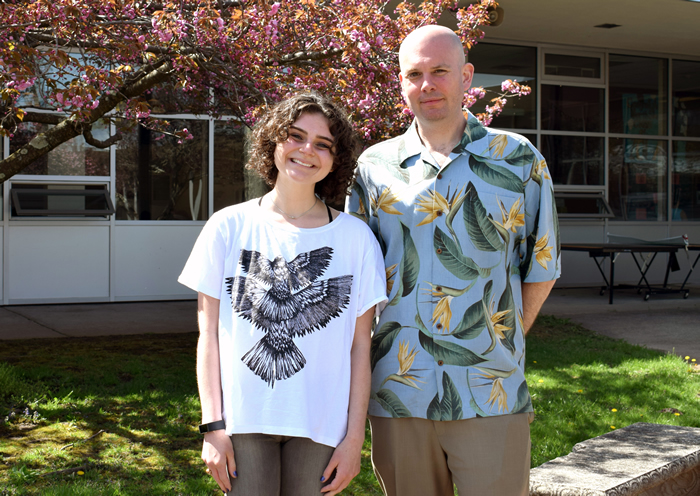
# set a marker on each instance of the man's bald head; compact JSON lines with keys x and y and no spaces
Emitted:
{"x":432,"y":34}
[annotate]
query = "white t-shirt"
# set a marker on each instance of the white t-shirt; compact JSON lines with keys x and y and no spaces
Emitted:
{"x":289,"y":301}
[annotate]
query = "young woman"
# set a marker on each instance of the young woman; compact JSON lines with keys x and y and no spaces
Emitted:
{"x":287,"y":292}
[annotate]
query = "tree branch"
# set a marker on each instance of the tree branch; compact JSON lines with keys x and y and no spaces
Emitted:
{"x":92,"y":141}
{"x":295,"y":58}
{"x":70,"y":127}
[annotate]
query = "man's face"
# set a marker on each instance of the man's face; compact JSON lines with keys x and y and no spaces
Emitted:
{"x":434,"y":78}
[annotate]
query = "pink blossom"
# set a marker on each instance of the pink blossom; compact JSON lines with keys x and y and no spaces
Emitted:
{"x":275,"y":7}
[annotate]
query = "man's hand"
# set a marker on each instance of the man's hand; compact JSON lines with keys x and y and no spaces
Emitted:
{"x":346,"y":464}
{"x":217,"y":453}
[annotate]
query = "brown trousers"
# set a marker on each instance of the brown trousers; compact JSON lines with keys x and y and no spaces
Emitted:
{"x":481,"y":456}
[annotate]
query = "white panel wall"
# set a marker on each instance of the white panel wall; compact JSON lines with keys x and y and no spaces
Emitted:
{"x":149,"y":258}
{"x":58,"y":263}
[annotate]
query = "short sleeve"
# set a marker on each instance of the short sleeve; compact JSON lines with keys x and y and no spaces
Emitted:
{"x":204,"y":270}
{"x":372,"y":283}
{"x":542,"y":260}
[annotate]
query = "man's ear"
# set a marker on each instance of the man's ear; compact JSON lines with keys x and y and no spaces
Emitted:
{"x":467,"y":75}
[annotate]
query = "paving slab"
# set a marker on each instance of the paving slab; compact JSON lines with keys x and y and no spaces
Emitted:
{"x":97,"y":319}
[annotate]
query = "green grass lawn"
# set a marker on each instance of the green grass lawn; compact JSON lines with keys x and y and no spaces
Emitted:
{"x":118,"y":415}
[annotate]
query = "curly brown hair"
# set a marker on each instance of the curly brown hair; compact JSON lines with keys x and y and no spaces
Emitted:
{"x":273,"y":127}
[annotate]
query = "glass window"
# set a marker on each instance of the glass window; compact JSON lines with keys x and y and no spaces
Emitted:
{"x":576,"y":160}
{"x":686,"y":98}
{"x":570,"y":108}
{"x":582,"y":205}
{"x":685,"y":181}
{"x":572,"y":66}
{"x":638,"y":95}
{"x":82,"y":200}
{"x":493,"y":64}
{"x":637,"y":179}
{"x":159,"y":179}
{"x":72,"y":158}
{"x":233,"y":183}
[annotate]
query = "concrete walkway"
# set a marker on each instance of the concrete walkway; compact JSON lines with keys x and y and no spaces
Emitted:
{"x":97,"y":319}
{"x":664,"y":322}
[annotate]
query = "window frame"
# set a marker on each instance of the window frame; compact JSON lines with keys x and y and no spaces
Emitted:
{"x":579,"y":81}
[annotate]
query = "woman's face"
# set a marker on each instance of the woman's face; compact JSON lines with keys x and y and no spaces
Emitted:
{"x":306,"y":156}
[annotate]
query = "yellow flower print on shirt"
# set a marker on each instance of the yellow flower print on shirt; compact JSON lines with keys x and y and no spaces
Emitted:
{"x":541,"y":167}
{"x":496,"y":318}
{"x":405,"y":375}
{"x":390,"y":273}
{"x":513,"y":218}
{"x":435,"y":204}
{"x":495,"y":378}
{"x":498,"y":145}
{"x":385,"y":201}
{"x":442,"y":313}
{"x":542,"y":251}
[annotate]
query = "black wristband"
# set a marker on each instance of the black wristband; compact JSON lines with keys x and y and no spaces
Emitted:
{"x":212,"y":426}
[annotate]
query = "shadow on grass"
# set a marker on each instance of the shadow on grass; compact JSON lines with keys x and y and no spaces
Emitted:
{"x":140,"y":390}
{"x":584,"y":385}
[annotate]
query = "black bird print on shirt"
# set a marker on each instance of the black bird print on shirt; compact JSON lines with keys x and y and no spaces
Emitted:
{"x":285,"y":301}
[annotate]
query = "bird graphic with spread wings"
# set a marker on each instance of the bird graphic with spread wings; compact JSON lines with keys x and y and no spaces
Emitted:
{"x":285,"y":301}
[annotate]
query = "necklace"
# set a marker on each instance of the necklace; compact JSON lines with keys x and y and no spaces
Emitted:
{"x":294,"y":216}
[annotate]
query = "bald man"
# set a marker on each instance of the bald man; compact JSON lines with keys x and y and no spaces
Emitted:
{"x":466,"y":220}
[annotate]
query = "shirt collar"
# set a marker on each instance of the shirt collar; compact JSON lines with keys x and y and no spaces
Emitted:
{"x":474,"y":131}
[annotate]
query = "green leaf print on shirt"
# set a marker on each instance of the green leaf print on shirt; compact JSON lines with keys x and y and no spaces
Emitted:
{"x":523,"y":401}
{"x":363,"y":207}
{"x":521,"y":156}
{"x":450,"y":407}
{"x":474,"y":131}
{"x":391,"y":403}
{"x":472,"y":324}
{"x":452,"y":258}
{"x":409,"y":267}
{"x":506,"y":307}
{"x":383,"y":340}
{"x":448,"y":352}
{"x":496,"y":175}
{"x":479,"y":223}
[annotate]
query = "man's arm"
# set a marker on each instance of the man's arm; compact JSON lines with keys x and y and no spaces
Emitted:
{"x":534,"y":296}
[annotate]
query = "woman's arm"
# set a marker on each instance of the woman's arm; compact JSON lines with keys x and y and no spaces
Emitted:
{"x":217,"y":451}
{"x":346,"y":457}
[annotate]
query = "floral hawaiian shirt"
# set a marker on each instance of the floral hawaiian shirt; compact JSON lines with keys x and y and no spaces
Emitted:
{"x":458,"y":241}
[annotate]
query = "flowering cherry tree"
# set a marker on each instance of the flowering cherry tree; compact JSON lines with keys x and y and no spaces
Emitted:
{"x":67,"y":64}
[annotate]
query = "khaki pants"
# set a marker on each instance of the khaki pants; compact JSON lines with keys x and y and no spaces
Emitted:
{"x":481,"y":456}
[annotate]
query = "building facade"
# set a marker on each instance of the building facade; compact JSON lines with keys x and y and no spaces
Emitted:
{"x":616,"y":115}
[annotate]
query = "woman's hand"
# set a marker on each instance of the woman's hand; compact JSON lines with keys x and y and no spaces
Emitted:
{"x":346,"y":464}
{"x":217,"y":453}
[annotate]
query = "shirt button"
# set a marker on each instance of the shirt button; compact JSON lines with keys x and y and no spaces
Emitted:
{"x":438,"y":326}
{"x":439,"y":176}
{"x":438,"y":288}
{"x":438,"y":251}
{"x":440,"y":362}
{"x":439,"y":213}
